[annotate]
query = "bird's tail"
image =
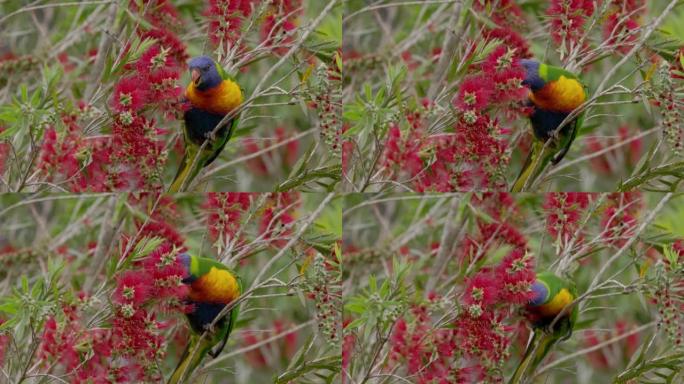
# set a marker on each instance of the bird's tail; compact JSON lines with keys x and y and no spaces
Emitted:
{"x":186,"y":172}
{"x":535,"y":163}
{"x":191,"y":358}
{"x":537,"y":349}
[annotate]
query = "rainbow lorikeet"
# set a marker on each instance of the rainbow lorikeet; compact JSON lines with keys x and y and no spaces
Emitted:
{"x":211,"y":95}
{"x":554,"y":94}
{"x":551,"y":294}
{"x":212,"y":286}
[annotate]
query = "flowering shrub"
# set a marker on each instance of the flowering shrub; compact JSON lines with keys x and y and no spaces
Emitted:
{"x":434,"y":101}
{"x":99,"y":108}
{"x":437,"y":285}
{"x":93,"y":287}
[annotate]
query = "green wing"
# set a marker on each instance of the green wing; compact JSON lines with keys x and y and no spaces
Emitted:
{"x":551,"y":73}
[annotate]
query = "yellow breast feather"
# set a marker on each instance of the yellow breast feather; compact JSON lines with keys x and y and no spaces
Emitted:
{"x":219,"y":100}
{"x":560,"y":301}
{"x":562,"y":95}
{"x":216,"y":286}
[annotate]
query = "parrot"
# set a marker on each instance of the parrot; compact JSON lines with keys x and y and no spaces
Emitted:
{"x":551,"y":294}
{"x":211,"y":95}
{"x":554,"y":94}
{"x":212,"y":286}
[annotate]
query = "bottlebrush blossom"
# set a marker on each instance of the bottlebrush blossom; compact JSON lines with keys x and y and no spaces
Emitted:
{"x":482,"y":290}
{"x":618,"y":159}
{"x":224,"y":213}
{"x":348,"y":146}
{"x":4,"y":341}
{"x":516,"y":275}
{"x":133,"y":288}
{"x":504,"y":68}
{"x":279,"y":24}
{"x":621,"y":28}
{"x":619,"y":219}
{"x":474,"y":93}
{"x":621,"y":34}
{"x":403,"y":152}
{"x":226,"y":18}
{"x":491,"y":235}
{"x":162,"y":221}
{"x":503,"y":12}
{"x":563,"y":213}
{"x":282,"y":349}
{"x":347,"y":347}
{"x":568,"y":18}
{"x":156,"y":277}
{"x":59,"y":154}
{"x":614,"y":355}
{"x":276,"y":220}
{"x":164,"y":25}
{"x":426,"y":352}
{"x":484,"y":338}
{"x":285,"y":155}
{"x":4,"y":152}
{"x":129,"y":95}
{"x":511,"y":39}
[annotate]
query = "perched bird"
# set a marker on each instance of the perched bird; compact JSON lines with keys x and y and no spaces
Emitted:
{"x":211,"y":95}
{"x":554,"y":94}
{"x":551,"y":295}
{"x":212,"y":287}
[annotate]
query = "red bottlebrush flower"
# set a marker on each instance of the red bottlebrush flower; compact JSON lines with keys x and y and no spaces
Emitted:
{"x":424,"y":351}
{"x":277,"y":28}
{"x":226,"y":19}
{"x":474,"y":93}
{"x":129,"y":95}
{"x":619,"y":219}
{"x":482,"y":289}
{"x":510,"y":39}
{"x":285,"y":155}
{"x":277,"y":217}
{"x":503,"y":12}
{"x":501,"y":59}
{"x":282,"y":349}
{"x":618,"y":159}
{"x":347,"y":349}
{"x":483,"y":337}
{"x":4,"y":341}
{"x":564,"y":210}
{"x":133,"y":287}
{"x":66,"y":64}
{"x":225,"y":210}
{"x":620,"y":353}
{"x":516,"y":276}
{"x":403,"y":153}
{"x":169,"y":40}
{"x":621,"y":34}
{"x":59,"y":152}
{"x":568,"y":18}
{"x":4,"y":152}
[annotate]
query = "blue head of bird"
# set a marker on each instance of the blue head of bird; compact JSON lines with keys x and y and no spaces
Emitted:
{"x":185,"y":261}
{"x":532,"y":78}
{"x":204,"y":73}
{"x":539,"y":294}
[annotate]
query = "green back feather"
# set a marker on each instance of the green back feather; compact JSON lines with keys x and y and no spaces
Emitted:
{"x":202,"y":265}
{"x":552,"y":73}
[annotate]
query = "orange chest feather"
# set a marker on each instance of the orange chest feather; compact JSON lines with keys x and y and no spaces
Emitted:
{"x":219,"y":100}
{"x":562,"y":95}
{"x":215,"y":286}
{"x":562,"y":299}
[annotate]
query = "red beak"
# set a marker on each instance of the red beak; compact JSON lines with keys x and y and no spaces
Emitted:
{"x":195,"y":74}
